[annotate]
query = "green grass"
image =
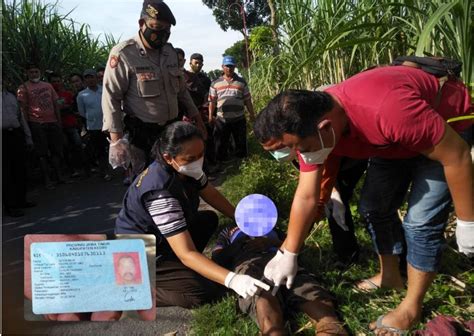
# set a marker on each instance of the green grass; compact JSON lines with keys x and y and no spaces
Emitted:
{"x":260,"y":174}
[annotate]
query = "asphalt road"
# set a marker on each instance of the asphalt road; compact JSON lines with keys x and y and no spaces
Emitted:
{"x":85,"y":206}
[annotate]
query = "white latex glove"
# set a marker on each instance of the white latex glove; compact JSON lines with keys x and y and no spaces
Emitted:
{"x":465,"y":237}
{"x":244,"y":285}
{"x":119,"y":154}
{"x":338,"y":209}
{"x":283,"y":266}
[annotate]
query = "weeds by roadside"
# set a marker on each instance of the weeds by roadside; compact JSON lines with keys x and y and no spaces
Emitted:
{"x":451,"y":293}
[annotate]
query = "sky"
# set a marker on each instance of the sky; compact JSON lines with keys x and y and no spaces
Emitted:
{"x":195,"y":30}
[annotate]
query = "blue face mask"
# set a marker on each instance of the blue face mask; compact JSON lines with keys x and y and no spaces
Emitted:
{"x":284,"y":154}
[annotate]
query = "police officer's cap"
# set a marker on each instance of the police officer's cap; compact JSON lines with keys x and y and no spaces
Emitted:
{"x":197,"y":56}
{"x":158,"y":10}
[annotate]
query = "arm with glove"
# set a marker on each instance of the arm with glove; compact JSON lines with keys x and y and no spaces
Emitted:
{"x":183,"y":246}
{"x":454,"y":154}
{"x":283,"y":267}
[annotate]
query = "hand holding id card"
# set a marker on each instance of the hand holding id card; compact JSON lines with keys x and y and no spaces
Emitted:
{"x":89,"y":276}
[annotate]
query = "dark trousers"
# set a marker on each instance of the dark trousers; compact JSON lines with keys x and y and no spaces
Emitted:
{"x":178,"y":285}
{"x":222,"y":132}
{"x":345,"y":242}
{"x":210,"y":156}
{"x":13,"y":168}
{"x":144,"y":135}
{"x":74,"y":153}
{"x":98,"y":145}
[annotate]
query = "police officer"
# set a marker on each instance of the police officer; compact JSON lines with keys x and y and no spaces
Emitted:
{"x":143,"y":80}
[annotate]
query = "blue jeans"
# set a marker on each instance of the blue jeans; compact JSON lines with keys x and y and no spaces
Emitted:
{"x":386,"y":185}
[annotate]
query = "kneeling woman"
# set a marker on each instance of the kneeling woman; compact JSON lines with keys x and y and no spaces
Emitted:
{"x":164,"y":200}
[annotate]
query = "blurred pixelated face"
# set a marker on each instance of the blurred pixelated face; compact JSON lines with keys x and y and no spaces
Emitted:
{"x":196,"y":65}
{"x":256,"y":215}
{"x":77,"y":83}
{"x":91,"y":81}
{"x":34,"y":74}
{"x":127,"y":269}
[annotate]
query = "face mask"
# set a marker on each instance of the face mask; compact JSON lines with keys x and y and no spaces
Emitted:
{"x":35,"y":80}
{"x":156,"y":38}
{"x":193,"y":169}
{"x":283,"y":154}
{"x":319,"y":156}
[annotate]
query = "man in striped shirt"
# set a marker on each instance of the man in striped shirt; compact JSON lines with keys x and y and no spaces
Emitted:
{"x":230,"y":94}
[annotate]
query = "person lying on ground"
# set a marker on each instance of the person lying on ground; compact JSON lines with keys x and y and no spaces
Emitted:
{"x":245,"y":255}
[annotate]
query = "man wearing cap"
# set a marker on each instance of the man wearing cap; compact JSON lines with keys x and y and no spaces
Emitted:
{"x":230,"y":94}
{"x":143,"y":80}
{"x":90,"y":108}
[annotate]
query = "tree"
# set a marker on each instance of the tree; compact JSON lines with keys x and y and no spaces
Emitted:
{"x":228,"y":13}
{"x":261,"y":43}
{"x":238,"y":51}
{"x":214,"y":74}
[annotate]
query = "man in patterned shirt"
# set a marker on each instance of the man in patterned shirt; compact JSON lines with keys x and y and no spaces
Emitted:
{"x":230,"y":94}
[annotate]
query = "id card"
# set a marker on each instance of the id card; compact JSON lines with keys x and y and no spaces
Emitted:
{"x":89,"y":276}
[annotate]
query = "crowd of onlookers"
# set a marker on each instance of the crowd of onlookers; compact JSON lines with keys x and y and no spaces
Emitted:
{"x":54,"y":122}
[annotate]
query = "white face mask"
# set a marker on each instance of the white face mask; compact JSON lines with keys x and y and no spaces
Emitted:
{"x":319,"y":156}
{"x":284,"y":154}
{"x":35,"y":80}
{"x":193,"y":169}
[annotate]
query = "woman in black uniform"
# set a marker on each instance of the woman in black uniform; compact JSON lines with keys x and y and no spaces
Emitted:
{"x":164,"y":200}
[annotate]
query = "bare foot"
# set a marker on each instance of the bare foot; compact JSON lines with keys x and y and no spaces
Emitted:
{"x":378,"y":281}
{"x":402,"y":318}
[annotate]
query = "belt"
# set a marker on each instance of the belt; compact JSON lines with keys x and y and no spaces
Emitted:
{"x":166,"y":123}
{"x":138,"y":123}
{"x":135,"y":122}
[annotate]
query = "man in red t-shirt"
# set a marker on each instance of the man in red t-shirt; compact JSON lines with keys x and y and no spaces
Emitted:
{"x":390,"y":114}
{"x":38,"y":102}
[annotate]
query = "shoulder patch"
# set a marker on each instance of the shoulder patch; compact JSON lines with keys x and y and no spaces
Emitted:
{"x":114,"y":61}
{"x":140,"y":179}
{"x":122,"y":45}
